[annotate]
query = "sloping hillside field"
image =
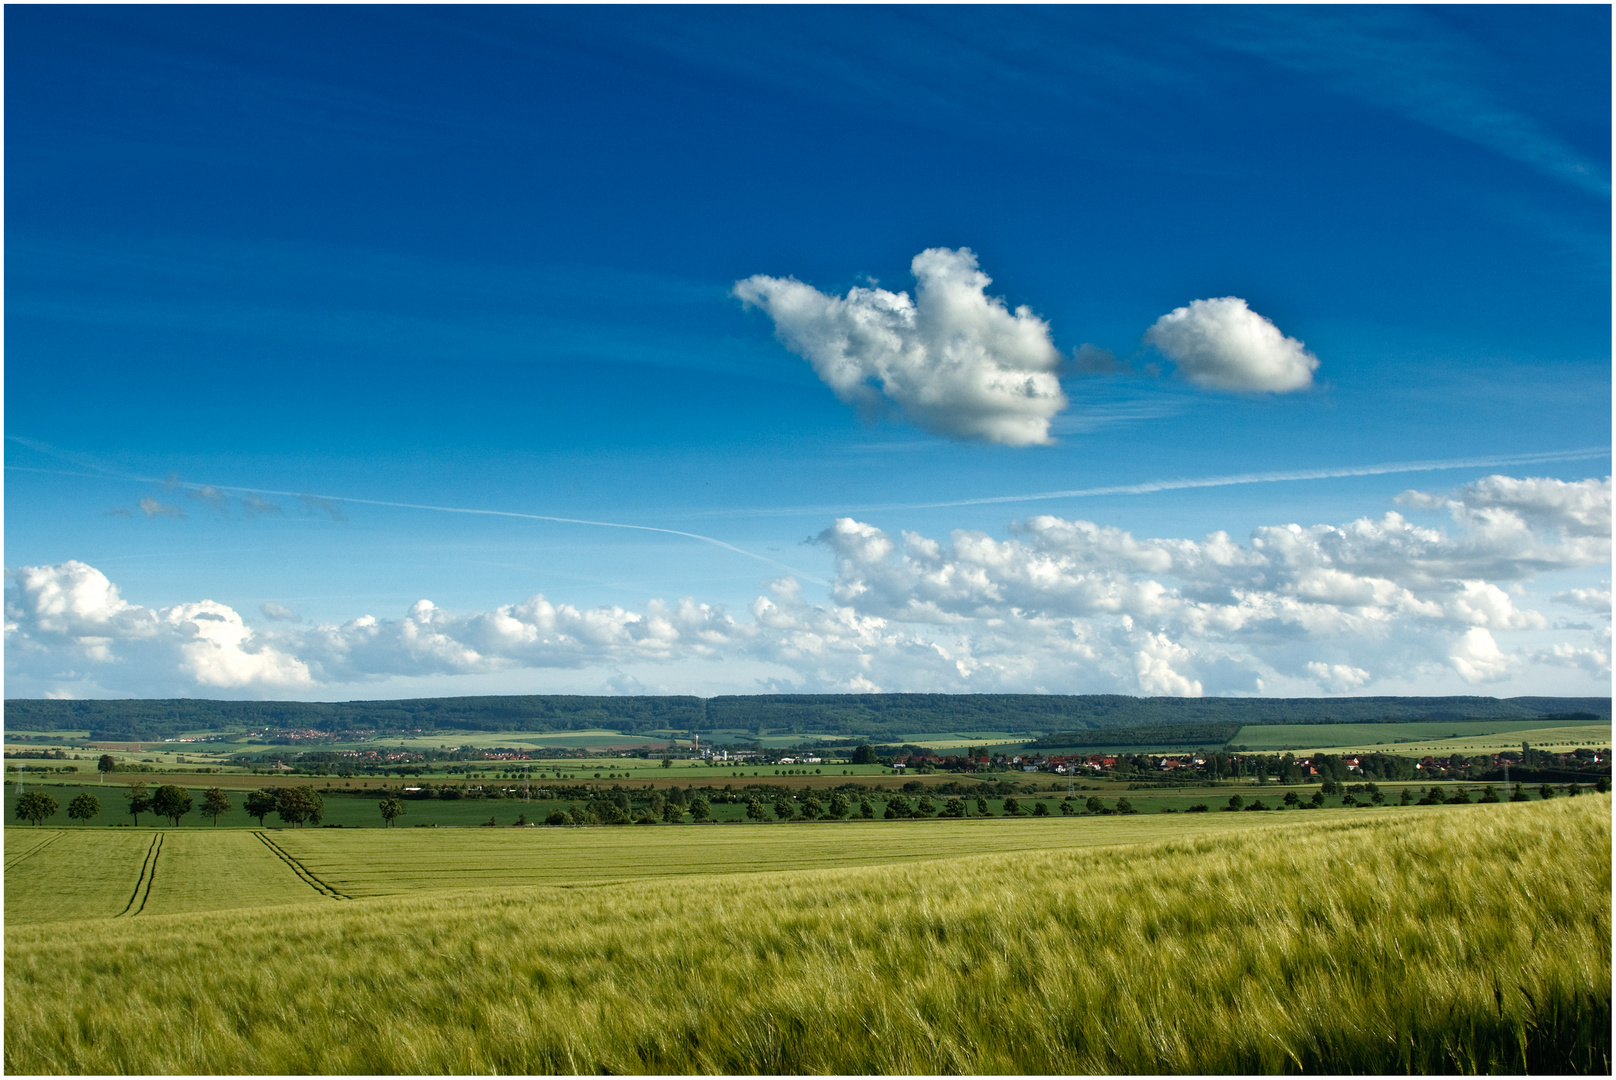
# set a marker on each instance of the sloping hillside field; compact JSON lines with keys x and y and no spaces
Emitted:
{"x":1457,"y":939}
{"x":1474,"y":734}
{"x":85,"y":874}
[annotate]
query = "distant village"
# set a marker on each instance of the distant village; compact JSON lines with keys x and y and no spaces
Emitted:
{"x":1164,"y":768}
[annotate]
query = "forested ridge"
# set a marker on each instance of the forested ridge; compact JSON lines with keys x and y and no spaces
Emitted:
{"x":872,"y":715}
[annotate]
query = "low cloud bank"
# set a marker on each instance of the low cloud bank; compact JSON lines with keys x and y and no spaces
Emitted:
{"x":1057,"y":605}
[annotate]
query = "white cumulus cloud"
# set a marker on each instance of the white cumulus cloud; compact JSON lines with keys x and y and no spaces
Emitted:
{"x":1222,"y":344}
{"x":72,"y":616}
{"x":1594,"y":600}
{"x":1477,"y":658}
{"x":952,"y":360}
{"x":1337,"y":678}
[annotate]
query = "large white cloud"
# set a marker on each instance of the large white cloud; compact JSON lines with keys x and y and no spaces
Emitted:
{"x":953,"y":360}
{"x":1222,"y":344}
{"x":1338,"y":605}
{"x":69,"y":620}
{"x":1378,"y":604}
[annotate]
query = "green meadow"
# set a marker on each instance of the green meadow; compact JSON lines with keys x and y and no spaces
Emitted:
{"x":1452,"y":939}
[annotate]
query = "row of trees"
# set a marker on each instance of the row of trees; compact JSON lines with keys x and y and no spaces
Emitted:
{"x":294,"y":805}
{"x":615,"y":809}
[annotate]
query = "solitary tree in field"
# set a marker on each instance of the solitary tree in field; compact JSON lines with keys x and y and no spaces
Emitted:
{"x":1291,"y":798}
{"x":982,"y":806}
{"x":393,"y":808}
{"x":838,"y":806}
{"x":1406,"y":798}
{"x":866,"y":810}
{"x":139,"y":801}
{"x":1040,"y":810}
{"x":784,"y":808}
{"x":214,"y":803}
{"x":667,"y":763}
{"x":106,"y":764}
{"x":1094,"y":805}
{"x":35,"y":806}
{"x":84,"y":808}
{"x":754,"y":809}
{"x":1236,"y":802}
{"x":700,"y":811}
{"x":1012,"y":806}
{"x":1520,"y":795}
{"x":172,"y":802}
{"x":260,"y":803}
{"x":813,"y":807}
{"x":1124,"y":806}
{"x":1545,"y":792}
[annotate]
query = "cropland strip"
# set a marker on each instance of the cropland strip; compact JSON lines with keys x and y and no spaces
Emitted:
{"x":1554,"y":739}
{"x":1475,"y":940}
{"x":209,"y":871}
{"x":300,"y":870}
{"x":104,"y":873}
{"x":1267,"y":738}
{"x":28,"y":847}
{"x":96,"y":873}
{"x":387,"y":862}
{"x":148,"y":877}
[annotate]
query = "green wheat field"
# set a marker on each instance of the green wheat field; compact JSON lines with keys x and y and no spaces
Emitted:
{"x":1453,"y":939}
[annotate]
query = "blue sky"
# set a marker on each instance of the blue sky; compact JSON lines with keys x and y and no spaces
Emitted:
{"x":280,"y":278}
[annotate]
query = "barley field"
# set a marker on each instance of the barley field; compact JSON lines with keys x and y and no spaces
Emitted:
{"x":1474,"y":939}
{"x":115,"y":873}
{"x":403,"y":860}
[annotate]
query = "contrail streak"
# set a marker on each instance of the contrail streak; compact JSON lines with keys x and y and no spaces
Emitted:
{"x":1150,"y":486}
{"x":474,"y":511}
{"x":1146,"y":488}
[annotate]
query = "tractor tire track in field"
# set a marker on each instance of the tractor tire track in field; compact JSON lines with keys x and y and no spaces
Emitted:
{"x":149,"y":863}
{"x":302,"y":871}
{"x":151,"y":878}
{"x":35,"y":850}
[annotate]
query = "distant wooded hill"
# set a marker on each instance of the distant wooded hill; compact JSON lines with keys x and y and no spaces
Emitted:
{"x":877,"y":716}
